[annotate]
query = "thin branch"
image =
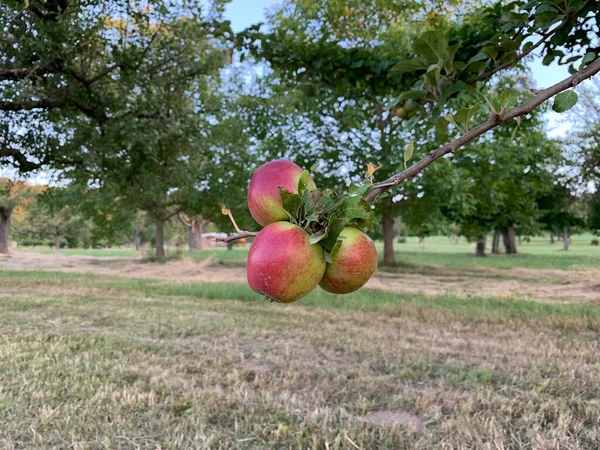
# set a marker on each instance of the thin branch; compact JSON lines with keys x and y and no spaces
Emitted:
{"x":480,"y":129}
{"x":28,"y":105}
{"x":186,"y":223}
{"x":235,"y":237}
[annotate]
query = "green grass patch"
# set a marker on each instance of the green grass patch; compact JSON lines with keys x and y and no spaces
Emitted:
{"x":499,"y":310}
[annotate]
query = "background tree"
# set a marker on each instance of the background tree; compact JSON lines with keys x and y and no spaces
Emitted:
{"x":13,"y":193}
{"x":353,"y":71}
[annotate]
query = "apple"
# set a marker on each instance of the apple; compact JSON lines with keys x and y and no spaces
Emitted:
{"x":353,"y":264}
{"x":264,"y":200}
{"x":282,"y":264}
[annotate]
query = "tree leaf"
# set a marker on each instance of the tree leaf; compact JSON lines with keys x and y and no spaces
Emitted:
{"x":408,"y":153}
{"x":432,"y":45}
{"x":464,"y":115}
{"x":410,"y":65}
{"x":303,"y":181}
{"x":564,"y":101}
{"x":291,"y":202}
{"x":412,"y":94}
{"x":334,"y":228}
{"x":588,"y":58}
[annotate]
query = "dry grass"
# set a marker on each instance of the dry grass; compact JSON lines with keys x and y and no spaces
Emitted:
{"x":88,"y":364}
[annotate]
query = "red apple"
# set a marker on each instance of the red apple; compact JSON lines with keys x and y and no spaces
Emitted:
{"x":282,"y":264}
{"x":264,"y":200}
{"x":353,"y":264}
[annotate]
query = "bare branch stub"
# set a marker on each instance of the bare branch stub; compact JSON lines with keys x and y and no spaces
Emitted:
{"x":521,"y":110}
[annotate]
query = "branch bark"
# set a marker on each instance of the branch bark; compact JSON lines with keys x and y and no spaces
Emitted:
{"x":521,"y":110}
{"x":44,"y":103}
{"x":235,"y":237}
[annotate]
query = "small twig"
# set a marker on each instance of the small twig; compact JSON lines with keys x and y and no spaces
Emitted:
{"x":241,"y":233}
{"x":235,"y":237}
{"x":227,"y":212}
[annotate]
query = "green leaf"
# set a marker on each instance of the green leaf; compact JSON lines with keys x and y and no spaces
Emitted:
{"x":334,"y":228}
{"x":544,"y":7}
{"x":303,"y":181}
{"x":514,"y":133}
{"x":408,"y":153}
{"x":412,"y":94}
{"x":291,"y":202}
{"x":477,"y":57}
{"x":514,"y":17}
{"x":588,"y":58}
{"x":457,"y":86}
{"x":491,"y":51}
{"x":432,"y":45}
{"x":410,"y":65}
{"x":441,"y":128}
{"x":314,"y":167}
{"x":359,"y":190}
{"x":464,"y":115}
{"x":334,"y":251}
{"x":564,"y":101}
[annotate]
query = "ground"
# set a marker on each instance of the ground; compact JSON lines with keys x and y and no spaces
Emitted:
{"x":443,"y":351}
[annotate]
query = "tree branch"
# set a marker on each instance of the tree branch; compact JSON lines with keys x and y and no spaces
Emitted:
{"x":186,"y":223}
{"x":27,"y":105}
{"x":480,"y":129}
{"x":235,"y":237}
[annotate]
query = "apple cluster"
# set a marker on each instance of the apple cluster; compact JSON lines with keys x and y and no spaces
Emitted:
{"x":286,"y":261}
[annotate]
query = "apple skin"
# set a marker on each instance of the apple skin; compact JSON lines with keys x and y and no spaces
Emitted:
{"x":282,"y":264}
{"x":352,"y":265}
{"x":264,"y":200}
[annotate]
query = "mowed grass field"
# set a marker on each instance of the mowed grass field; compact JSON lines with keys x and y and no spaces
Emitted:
{"x":439,"y":250}
{"x":102,"y":362}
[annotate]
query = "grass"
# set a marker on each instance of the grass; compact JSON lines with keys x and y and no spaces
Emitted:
{"x":439,"y":250}
{"x":92,"y":362}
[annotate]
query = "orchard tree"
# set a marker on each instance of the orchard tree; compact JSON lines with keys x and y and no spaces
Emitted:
{"x":61,"y":60}
{"x":500,"y":177}
{"x":562,"y":212}
{"x":375,"y":71}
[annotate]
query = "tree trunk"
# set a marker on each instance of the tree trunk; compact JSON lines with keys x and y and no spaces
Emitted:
{"x":196,"y":230}
{"x":138,"y":240}
{"x":160,"y":240}
{"x":421,"y":242}
{"x":4,"y":229}
{"x":520,"y":240}
{"x":510,"y":241}
{"x":566,"y":239}
{"x":387,"y":224}
{"x":57,"y":241}
{"x":230,"y":246}
{"x":551,"y":237}
{"x":480,"y":247}
{"x":496,"y":242}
